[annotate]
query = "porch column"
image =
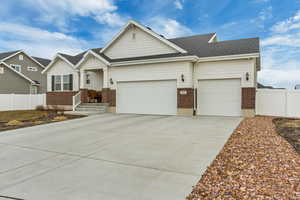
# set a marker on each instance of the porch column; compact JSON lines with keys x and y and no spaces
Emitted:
{"x":105,"y":78}
{"x":82,"y":78}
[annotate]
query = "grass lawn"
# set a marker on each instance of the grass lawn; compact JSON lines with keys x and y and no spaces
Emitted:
{"x":21,"y":115}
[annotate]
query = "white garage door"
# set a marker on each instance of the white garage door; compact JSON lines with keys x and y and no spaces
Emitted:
{"x":219,"y":97}
{"x":147,"y":97}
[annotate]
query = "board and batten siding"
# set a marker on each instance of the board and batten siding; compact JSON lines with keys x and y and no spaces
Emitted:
{"x":150,"y":72}
{"x":142,"y":44}
{"x":91,"y":62}
{"x":60,"y":67}
{"x":227,"y":70}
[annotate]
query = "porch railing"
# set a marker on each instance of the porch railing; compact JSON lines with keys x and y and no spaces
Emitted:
{"x":76,"y":100}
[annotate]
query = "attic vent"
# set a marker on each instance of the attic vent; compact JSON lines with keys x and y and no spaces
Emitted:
{"x":149,"y":28}
{"x":133,"y":35}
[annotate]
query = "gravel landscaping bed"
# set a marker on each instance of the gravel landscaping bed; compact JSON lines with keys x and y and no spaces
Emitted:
{"x":255,"y":163}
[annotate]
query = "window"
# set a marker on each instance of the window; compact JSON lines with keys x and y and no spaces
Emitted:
{"x":66,"y":82}
{"x":32,"y":69}
{"x":21,"y":57}
{"x":1,"y":70}
{"x":62,"y":82}
{"x":16,"y":67}
{"x":57,"y":83}
{"x":88,"y":81}
{"x":33,"y":90}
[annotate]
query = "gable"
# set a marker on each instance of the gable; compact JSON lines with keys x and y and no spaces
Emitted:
{"x":91,"y":62}
{"x":60,"y":67}
{"x":135,"y":42}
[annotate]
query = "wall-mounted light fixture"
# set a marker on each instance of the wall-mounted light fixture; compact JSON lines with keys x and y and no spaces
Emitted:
{"x":111,"y":81}
{"x":182,"y":77}
{"x":247,"y":76}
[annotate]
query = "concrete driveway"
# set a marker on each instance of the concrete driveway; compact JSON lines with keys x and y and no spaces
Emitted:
{"x":110,"y":157}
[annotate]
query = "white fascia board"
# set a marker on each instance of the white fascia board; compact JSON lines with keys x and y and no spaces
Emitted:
{"x":162,"y":39}
{"x":230,"y":57}
{"x":94,"y":54}
{"x":159,"y":60}
{"x":53,"y":61}
{"x":20,"y":74}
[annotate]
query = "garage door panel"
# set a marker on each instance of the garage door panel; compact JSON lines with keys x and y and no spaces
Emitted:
{"x":219,"y":97}
{"x":147,"y":97}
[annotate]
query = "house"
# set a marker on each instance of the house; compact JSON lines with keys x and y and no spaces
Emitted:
{"x":142,"y":72}
{"x":22,"y":74}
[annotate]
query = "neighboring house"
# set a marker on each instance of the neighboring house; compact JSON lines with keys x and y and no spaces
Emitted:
{"x":22,"y":74}
{"x":142,"y":72}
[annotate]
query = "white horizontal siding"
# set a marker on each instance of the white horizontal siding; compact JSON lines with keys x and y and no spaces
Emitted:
{"x":227,"y":69}
{"x":143,"y":45}
{"x":162,"y":71}
{"x":60,"y":67}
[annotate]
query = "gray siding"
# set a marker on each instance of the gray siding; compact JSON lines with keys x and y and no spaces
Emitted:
{"x":35,"y":76}
{"x":11,"y":82}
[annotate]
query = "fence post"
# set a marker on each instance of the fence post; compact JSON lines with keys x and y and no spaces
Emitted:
{"x":286,"y":103}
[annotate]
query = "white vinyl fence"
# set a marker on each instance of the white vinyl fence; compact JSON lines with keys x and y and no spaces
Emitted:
{"x":278,"y":102}
{"x":21,"y":101}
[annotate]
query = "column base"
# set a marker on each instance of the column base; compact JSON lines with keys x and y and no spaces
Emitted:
{"x":247,"y":113}
{"x":111,"y":109}
{"x":185,"y":112}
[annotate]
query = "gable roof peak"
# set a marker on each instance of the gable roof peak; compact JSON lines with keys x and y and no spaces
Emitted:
{"x":147,"y":30}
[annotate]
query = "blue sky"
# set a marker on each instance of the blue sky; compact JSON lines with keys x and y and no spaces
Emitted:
{"x":44,"y":27}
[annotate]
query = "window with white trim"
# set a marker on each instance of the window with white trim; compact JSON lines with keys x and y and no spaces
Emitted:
{"x":62,"y":82}
{"x":1,"y":70}
{"x":16,"y":67}
{"x":57,"y":83}
{"x":21,"y":57}
{"x":33,"y":90}
{"x":32,"y":69}
{"x":66,"y":82}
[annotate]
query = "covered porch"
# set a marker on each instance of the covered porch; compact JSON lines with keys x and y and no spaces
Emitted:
{"x":92,"y":82}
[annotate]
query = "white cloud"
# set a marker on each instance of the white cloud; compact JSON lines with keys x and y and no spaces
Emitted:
{"x":168,"y":27}
{"x":280,"y":54}
{"x":178,"y":4}
{"x":36,"y":41}
{"x":287,"y":25}
{"x":112,"y":19}
{"x":60,"y":12}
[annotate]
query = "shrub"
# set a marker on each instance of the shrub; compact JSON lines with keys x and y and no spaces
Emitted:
{"x":14,"y":123}
{"x":40,"y":108}
{"x":60,"y":118}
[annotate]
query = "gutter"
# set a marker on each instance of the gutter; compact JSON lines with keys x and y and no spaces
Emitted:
{"x":156,"y":60}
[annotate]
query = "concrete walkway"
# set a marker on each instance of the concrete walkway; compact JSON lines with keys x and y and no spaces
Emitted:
{"x":126,"y":157}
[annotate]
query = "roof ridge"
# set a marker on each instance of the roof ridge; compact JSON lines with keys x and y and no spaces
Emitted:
{"x":235,"y":40}
{"x":192,"y":36}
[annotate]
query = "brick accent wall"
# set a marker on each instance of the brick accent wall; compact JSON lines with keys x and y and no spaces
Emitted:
{"x":248,"y":98}
{"x":60,"y":98}
{"x":84,"y":95}
{"x":185,"y":97}
{"x":109,"y":96}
